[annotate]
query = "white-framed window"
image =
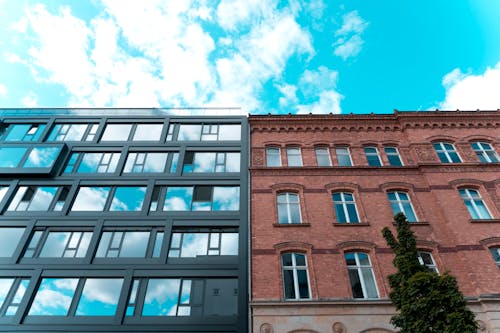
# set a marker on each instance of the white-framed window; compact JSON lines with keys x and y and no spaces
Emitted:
{"x":485,"y":152}
{"x":474,"y":203}
{"x":273,"y":157}
{"x":393,"y":156}
{"x":345,"y":207}
{"x":288,"y":208}
{"x":426,"y":259}
{"x":495,"y":253}
{"x":401,"y":203}
{"x":372,"y":156}
{"x":295,"y":276}
{"x":343,"y":156}
{"x":361,"y":276}
{"x":323,"y":156}
{"x":447,"y":152}
{"x":294,"y":156}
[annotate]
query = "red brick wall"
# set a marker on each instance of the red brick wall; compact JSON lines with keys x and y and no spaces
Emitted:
{"x":448,"y":233}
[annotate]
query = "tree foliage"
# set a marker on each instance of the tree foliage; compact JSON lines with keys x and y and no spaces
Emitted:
{"x":426,"y":301}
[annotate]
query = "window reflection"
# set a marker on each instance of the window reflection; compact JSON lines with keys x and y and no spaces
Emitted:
{"x":42,"y":157}
{"x":12,"y":291}
{"x":10,"y":157}
{"x":91,"y":199}
{"x":191,"y":245}
{"x":211,"y":162}
{"x":9,"y":239}
{"x":161,"y":297}
{"x":99,"y":297}
{"x":123,"y":244}
{"x":3,"y":191}
{"x":147,"y":132}
{"x":206,"y":132}
{"x":24,"y":132}
{"x":68,"y":132}
{"x":60,"y":244}
{"x":145,"y":162}
{"x":204,"y":198}
{"x":128,"y":199}
{"x":116,"y":132}
{"x":33,"y":198}
{"x":93,"y":162}
{"x":53,"y":297}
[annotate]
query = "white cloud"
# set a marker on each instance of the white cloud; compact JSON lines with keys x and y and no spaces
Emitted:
{"x":471,"y":92}
{"x":349,"y":41}
{"x":232,"y":13}
{"x":320,"y":85}
{"x":3,"y":90}
{"x":30,"y":100}
{"x":289,"y":93}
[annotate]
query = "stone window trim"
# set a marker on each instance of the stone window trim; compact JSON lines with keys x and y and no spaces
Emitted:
{"x":302,"y":248}
{"x":410,"y":190}
{"x":355,"y":190}
{"x":478,"y":185}
{"x":291,"y":188}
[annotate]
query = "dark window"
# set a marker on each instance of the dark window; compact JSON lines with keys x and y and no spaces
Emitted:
{"x":447,"y":152}
{"x":372,"y":156}
{"x":361,"y":275}
{"x":485,"y":152}
{"x":393,"y":156}
{"x":295,"y":276}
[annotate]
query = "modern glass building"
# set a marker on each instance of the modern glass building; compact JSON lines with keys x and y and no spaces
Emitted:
{"x":123,"y":221}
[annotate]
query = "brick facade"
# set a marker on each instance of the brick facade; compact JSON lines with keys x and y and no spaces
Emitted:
{"x":457,"y":242}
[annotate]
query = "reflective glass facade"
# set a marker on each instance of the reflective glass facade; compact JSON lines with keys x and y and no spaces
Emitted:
{"x":123,"y":223}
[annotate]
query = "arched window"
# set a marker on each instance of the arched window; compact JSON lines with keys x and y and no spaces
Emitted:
{"x":474,"y":203}
{"x":447,"y":152}
{"x":345,"y":207}
{"x":485,"y":152}
{"x":273,"y":156}
{"x":495,"y":252}
{"x":401,"y":203}
{"x":288,"y":204}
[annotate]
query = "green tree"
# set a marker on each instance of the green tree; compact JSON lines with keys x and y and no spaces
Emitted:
{"x":426,"y":301}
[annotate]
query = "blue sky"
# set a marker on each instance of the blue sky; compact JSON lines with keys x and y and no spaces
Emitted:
{"x":264,"y":56}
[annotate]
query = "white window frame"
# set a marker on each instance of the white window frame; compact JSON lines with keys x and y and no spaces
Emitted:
{"x":359,"y":268}
{"x":270,"y":152}
{"x":376,"y":153}
{"x":446,"y":152}
{"x":483,"y":149}
{"x":287,"y":205}
{"x":293,"y":153}
{"x":395,"y":153}
{"x":470,"y":198}
{"x":295,"y":268}
{"x":322,"y":151}
{"x":433,"y":267}
{"x":399,"y":201}
{"x":344,"y":151}
{"x":344,"y":203}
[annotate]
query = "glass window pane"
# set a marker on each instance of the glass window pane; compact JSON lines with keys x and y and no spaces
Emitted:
{"x":5,"y":285}
{"x":189,"y":133}
{"x":369,"y":280}
{"x":204,"y":162}
{"x":178,"y":199}
{"x":286,"y":259}
{"x":17,"y":132}
{"x":155,"y":162}
{"x":91,"y":199}
{"x":135,"y":244}
{"x":103,"y":244}
{"x":300,"y":259}
{"x":353,"y":215}
{"x":42,"y":157}
{"x":340,"y":214}
{"x":226,"y":198}
{"x":42,"y":198}
{"x":84,"y":244}
{"x":116,"y":132}
{"x":230,"y":132}
{"x":229,"y":244}
{"x":11,"y":156}
{"x":53,"y":297}
{"x":357,"y":290}
{"x":482,"y":211}
{"x":232,"y":162}
{"x":303,"y":283}
{"x":161,"y":297}
{"x":158,"y":243}
{"x":273,"y":157}
{"x":194,"y":244}
{"x":3,"y":191}
{"x":148,"y":132}
{"x":128,"y":199}
{"x":288,"y":284}
{"x":99,"y":297}
{"x":9,"y":239}
{"x":55,"y":244}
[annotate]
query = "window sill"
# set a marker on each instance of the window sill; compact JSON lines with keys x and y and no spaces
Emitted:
{"x":303,"y":224}
{"x":419,"y":223}
{"x":361,"y":224}
{"x":485,"y":221}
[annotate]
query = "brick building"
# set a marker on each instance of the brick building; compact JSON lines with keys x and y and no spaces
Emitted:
{"x":324,"y":186}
